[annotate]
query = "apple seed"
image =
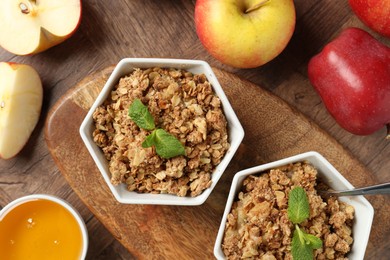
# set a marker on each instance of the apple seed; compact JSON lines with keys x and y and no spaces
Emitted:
{"x":256,"y":6}
{"x":23,"y":7}
{"x":26,"y":8}
{"x":2,"y":104}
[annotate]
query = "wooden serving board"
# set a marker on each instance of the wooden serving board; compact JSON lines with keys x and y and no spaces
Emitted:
{"x":273,"y":130}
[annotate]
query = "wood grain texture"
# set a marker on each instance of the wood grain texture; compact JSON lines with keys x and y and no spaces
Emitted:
{"x":112,"y":30}
{"x":273,"y":131}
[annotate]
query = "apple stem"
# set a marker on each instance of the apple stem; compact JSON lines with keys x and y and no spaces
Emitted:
{"x":256,"y":6}
{"x":388,"y":131}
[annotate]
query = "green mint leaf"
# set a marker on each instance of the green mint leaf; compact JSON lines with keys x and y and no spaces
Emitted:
{"x":298,"y":205}
{"x":302,"y":244}
{"x":313,"y":241}
{"x":167,"y":146}
{"x":299,"y":248}
{"x":140,"y":114}
{"x":149,"y":140}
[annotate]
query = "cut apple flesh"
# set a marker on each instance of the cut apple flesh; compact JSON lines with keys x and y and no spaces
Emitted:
{"x":28,"y":26}
{"x":20,"y":106}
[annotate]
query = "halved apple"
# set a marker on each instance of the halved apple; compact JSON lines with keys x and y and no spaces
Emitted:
{"x":21,"y":97}
{"x":32,"y":26}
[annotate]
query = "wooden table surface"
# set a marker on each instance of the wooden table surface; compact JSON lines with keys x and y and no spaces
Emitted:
{"x":112,"y":30}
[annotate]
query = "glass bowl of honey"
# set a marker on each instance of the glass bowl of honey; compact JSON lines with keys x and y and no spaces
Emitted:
{"x":41,"y":227}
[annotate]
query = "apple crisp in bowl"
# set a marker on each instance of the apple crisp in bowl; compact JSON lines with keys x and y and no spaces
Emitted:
{"x":259,"y":221}
{"x":162,"y":131}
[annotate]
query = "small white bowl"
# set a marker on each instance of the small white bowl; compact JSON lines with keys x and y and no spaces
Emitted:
{"x":364,"y":212}
{"x":84,"y":233}
{"x":126,"y":66}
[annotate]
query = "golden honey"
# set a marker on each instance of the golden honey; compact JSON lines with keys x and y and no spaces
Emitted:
{"x":40,"y":229}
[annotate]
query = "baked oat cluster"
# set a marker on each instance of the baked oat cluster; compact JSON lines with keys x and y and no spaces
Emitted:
{"x":258,"y":226}
{"x":181,"y":103}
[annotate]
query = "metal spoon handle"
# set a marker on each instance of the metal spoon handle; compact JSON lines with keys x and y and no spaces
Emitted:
{"x":375,"y":189}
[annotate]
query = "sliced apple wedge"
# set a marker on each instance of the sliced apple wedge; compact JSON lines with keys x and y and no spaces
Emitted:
{"x":21,"y":97}
{"x":32,"y":26}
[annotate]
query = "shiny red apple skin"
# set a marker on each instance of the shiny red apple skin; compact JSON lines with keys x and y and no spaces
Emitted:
{"x":374,"y":13}
{"x":352,"y":76}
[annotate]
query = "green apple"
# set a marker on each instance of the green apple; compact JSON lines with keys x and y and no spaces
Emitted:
{"x":245,"y":33}
{"x":21,"y":96}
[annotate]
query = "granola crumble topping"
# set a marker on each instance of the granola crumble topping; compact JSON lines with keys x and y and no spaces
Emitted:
{"x":182,"y":104}
{"x":258,"y":226}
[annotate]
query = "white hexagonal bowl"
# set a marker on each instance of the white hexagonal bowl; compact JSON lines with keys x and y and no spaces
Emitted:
{"x":126,"y":66}
{"x":364,"y":212}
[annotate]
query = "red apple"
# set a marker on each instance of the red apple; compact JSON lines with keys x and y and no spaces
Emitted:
{"x":30,"y":26}
{"x":374,"y":13}
{"x":244,"y":34}
{"x":21,"y":96}
{"x":352,"y":76}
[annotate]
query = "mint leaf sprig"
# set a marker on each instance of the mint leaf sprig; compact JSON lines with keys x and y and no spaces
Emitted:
{"x":140,"y":114}
{"x":167,"y":146}
{"x":298,"y":211}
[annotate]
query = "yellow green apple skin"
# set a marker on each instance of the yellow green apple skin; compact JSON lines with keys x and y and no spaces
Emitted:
{"x":21,"y":96}
{"x":240,"y":37}
{"x":30,"y":26}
